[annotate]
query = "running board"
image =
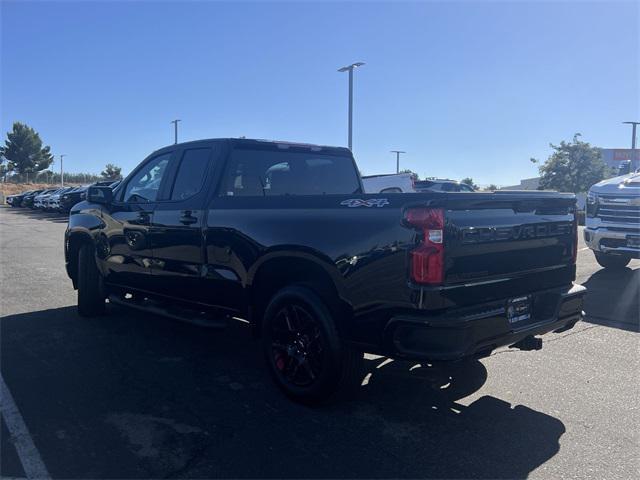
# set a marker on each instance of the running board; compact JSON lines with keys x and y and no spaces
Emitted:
{"x":149,"y":306}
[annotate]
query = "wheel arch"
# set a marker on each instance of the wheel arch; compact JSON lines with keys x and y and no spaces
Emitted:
{"x":279,"y":269}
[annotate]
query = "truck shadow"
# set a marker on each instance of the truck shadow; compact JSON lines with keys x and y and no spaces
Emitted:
{"x":613,"y":299}
{"x":138,"y":396}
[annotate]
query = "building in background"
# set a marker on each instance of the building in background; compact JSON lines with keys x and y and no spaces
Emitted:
{"x":525,"y":184}
{"x":614,"y":156}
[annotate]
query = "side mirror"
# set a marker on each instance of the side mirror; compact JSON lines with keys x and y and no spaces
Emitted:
{"x":102,"y":195}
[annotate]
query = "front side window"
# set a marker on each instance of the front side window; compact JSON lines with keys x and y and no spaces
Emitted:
{"x":145,"y":184}
{"x":191,"y":173}
{"x":272,"y":173}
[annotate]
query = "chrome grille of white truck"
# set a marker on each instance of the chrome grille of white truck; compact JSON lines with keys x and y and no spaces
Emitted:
{"x":619,"y":209}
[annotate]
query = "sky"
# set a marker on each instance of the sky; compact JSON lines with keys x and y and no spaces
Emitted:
{"x":467,"y":89}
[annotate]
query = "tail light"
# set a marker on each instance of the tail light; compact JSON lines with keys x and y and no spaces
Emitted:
{"x":427,"y":259}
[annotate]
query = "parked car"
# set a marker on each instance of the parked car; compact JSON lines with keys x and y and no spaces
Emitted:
{"x":12,"y":200}
{"x":392,"y":183}
{"x":612,"y":228}
{"x":16,"y":200}
{"x":70,"y":198}
{"x":442,"y":185}
{"x":52,"y":202}
{"x":27,"y":200}
{"x":39,"y":200}
{"x":282,"y":235}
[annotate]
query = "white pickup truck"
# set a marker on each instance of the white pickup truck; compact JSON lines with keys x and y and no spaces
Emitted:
{"x":612,"y":228}
{"x":391,"y":183}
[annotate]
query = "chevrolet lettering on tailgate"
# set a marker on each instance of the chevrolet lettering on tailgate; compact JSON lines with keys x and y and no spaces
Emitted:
{"x":520,"y":232}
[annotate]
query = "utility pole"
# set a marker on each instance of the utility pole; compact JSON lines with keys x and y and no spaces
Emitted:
{"x":350,"y":68}
{"x":175,"y":130}
{"x":397,"y":152}
{"x":62,"y":169}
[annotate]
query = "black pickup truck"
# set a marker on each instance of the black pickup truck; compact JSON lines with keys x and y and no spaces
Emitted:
{"x":281,"y":235}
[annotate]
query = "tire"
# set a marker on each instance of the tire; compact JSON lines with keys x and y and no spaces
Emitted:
{"x":91,"y":295}
{"x":611,"y":261}
{"x":306,"y":357}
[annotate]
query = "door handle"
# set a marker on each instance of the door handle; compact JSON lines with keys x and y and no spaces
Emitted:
{"x":187,"y":219}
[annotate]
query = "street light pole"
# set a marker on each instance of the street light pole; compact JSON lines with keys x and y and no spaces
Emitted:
{"x":350,"y":68}
{"x":397,"y":152}
{"x":633,"y":133}
{"x":633,"y":142}
{"x":62,"y":169}
{"x":175,"y":130}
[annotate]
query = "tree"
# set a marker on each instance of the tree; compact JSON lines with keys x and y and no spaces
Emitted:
{"x":469,"y":181}
{"x":24,"y":151}
{"x":491,"y":187}
{"x":573,"y":167}
{"x":111,"y":172}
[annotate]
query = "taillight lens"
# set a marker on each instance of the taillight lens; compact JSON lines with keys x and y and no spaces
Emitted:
{"x":427,"y":260}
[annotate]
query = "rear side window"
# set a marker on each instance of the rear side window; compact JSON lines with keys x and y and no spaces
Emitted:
{"x":191,"y":173}
{"x":273,"y":173}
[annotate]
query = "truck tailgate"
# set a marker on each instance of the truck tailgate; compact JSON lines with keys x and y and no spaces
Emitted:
{"x":524,"y":241}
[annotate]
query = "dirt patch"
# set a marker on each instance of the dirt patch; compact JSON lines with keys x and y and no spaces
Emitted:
{"x":13,"y":188}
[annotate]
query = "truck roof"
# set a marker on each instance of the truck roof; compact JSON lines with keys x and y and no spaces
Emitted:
{"x":265,"y":144}
{"x":403,"y":174}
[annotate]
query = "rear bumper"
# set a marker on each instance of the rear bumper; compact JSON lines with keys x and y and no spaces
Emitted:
{"x":479,"y":330}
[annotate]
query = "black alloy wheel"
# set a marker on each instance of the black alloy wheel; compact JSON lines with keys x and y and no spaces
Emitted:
{"x":307,"y":358}
{"x":296,"y":345}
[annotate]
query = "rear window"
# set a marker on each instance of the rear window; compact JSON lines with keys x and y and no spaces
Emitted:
{"x":191,"y":173}
{"x":272,"y":173}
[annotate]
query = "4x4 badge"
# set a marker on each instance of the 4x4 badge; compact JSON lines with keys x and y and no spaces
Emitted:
{"x":358,"y":202}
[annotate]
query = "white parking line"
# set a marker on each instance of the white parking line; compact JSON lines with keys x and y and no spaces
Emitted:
{"x":27,"y":452}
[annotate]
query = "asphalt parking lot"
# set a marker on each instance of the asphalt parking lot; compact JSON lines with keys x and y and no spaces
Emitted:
{"x":132,"y":395}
